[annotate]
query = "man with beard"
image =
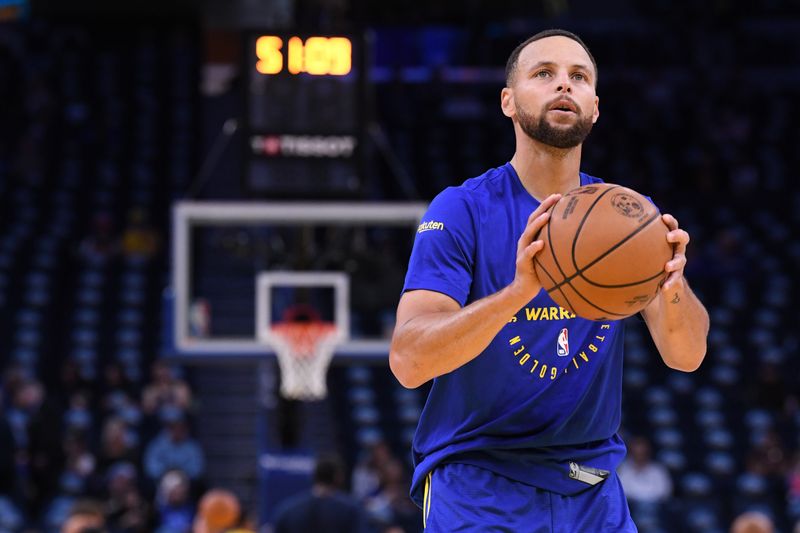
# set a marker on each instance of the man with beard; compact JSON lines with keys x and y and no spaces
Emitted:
{"x":519,"y":432}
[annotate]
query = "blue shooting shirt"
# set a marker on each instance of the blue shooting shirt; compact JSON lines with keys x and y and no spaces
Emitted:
{"x":547,"y":390}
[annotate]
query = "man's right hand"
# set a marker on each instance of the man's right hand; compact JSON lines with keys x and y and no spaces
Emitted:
{"x":526,"y":282}
{"x":434,"y":335}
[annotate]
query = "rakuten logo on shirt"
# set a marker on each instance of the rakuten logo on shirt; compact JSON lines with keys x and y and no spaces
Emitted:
{"x":431,"y":225}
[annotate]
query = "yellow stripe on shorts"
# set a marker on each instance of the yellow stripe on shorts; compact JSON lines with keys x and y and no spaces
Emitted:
{"x":426,"y":499}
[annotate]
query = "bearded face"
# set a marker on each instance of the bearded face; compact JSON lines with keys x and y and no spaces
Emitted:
{"x":543,"y":128}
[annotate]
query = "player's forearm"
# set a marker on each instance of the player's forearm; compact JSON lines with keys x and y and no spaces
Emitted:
{"x":679,"y":325}
{"x":434,"y":344}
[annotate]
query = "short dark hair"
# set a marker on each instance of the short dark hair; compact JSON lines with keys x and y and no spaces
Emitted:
{"x":329,"y":470}
{"x":513,"y":59}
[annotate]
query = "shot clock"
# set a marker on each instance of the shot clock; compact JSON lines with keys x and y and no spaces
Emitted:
{"x":303,"y":124}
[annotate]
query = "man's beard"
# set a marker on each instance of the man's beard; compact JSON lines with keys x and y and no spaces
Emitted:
{"x":541,"y":130}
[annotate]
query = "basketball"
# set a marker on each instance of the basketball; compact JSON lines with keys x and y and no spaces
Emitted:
{"x":219,"y":508}
{"x":604,"y":252}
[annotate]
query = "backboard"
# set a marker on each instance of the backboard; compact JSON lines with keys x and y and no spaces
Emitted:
{"x":220,"y":249}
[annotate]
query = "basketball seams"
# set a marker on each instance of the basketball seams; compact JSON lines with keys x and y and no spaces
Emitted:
{"x":621,"y":285}
{"x":580,"y":228}
{"x":580,"y":271}
{"x":582,"y":297}
{"x":552,"y":211}
{"x":566,"y":300}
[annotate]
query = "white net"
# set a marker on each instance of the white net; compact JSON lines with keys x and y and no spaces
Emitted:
{"x":304,"y":351}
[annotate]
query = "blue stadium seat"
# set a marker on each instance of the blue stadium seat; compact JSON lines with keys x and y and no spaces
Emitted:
{"x":28,"y":317}
{"x":129,"y":337}
{"x":368,"y":435}
{"x":720,"y":464}
{"x":718,"y":439}
{"x":28,"y":337}
{"x":359,"y":375}
{"x":709,"y":419}
{"x":84,"y":337}
{"x":696,"y":485}
{"x":361,"y":395}
{"x":87,"y":317}
{"x":709,"y":397}
{"x":681,"y":383}
{"x":703,"y":519}
{"x":725,"y":375}
{"x":758,"y":420}
{"x":663,"y":417}
{"x":668,"y":438}
{"x":89,"y":297}
{"x":635,"y":378}
{"x":658,"y":396}
{"x":366,"y":415}
{"x":38,"y":297}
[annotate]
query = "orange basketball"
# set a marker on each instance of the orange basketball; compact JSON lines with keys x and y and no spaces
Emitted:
{"x":604,"y":253}
{"x":219,"y":508}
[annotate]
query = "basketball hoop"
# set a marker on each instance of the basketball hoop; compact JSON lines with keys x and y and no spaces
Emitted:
{"x":304,"y":351}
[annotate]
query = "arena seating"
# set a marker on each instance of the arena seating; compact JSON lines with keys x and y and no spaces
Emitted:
{"x":102,"y":139}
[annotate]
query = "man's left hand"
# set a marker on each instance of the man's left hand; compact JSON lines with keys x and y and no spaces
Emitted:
{"x":674,"y":267}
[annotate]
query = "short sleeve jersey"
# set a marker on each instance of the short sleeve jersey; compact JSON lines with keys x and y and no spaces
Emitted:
{"x":547,"y":390}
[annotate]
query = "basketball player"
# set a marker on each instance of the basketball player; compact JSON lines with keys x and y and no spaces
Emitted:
{"x":519,"y":432}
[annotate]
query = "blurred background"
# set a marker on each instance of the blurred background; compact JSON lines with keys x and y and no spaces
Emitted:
{"x":112,"y":114}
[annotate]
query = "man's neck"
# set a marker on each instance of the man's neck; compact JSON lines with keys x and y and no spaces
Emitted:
{"x":545,"y":170}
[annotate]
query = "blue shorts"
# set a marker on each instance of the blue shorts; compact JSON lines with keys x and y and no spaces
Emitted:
{"x":465,"y":498}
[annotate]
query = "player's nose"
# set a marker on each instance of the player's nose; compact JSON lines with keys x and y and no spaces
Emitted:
{"x":564,"y":85}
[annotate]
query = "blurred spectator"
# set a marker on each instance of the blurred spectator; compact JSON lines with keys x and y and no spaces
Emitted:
{"x":11,"y":518}
{"x":14,"y":376}
{"x":392,"y":506}
{"x":366,"y":477}
{"x":643,"y":479}
{"x":174,"y":448}
{"x":45,"y":457}
{"x":768,"y":457}
{"x":769,"y":389}
{"x":85,"y":516}
{"x":101,"y":243}
{"x":200,"y":318}
{"x":165,"y":389}
{"x":752,"y":522}
{"x":27,"y":399}
{"x":117,"y":444}
{"x":174,"y":507}
{"x":126,"y":509}
{"x":71,"y":379}
{"x":115,"y":381}
{"x":79,"y":461}
{"x":139,"y":239}
{"x":325,"y":508}
{"x":78,"y":416}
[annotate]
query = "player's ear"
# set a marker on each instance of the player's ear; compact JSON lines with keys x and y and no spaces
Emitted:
{"x":507,"y":102}
{"x":596,"y":113}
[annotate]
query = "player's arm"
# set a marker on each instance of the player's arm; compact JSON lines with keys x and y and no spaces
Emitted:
{"x":434,"y":335}
{"x":676,"y":318}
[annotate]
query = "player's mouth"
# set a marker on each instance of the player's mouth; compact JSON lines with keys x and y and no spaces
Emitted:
{"x":563,"y":105}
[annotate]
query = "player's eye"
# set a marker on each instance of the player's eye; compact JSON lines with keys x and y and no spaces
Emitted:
{"x":542,"y":74}
{"x":579,"y":76}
